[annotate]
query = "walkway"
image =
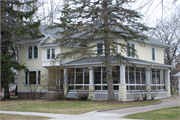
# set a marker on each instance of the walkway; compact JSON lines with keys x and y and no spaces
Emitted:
{"x":106,"y":115}
{"x":167,"y":102}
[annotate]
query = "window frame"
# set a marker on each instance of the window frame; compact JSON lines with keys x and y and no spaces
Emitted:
{"x":131,"y":51}
{"x":33,"y":53}
{"x":102,"y":48}
{"x":153,"y":54}
{"x":50,"y":53}
{"x":37,"y":77}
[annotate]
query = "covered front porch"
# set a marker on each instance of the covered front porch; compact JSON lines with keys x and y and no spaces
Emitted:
{"x":144,"y":77}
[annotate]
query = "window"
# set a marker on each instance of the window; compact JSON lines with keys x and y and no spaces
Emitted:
{"x":99,"y":48}
{"x":33,"y":77}
{"x":100,"y":80}
{"x":78,"y":78}
{"x":135,"y":78}
{"x":32,"y":52}
{"x":157,"y":79}
{"x":130,"y":50}
{"x":51,"y":53}
{"x":153,"y":53}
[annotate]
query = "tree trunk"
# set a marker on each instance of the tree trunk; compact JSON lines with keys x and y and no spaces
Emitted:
{"x":6,"y":90}
{"x":107,"y":56}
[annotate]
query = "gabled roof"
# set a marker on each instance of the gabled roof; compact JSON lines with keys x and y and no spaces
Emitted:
{"x":52,"y":33}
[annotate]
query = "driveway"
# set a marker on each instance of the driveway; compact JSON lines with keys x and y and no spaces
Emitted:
{"x":106,"y":115}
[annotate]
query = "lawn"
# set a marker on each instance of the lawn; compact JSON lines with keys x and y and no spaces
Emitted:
{"x":13,"y":101}
{"x":21,"y":117}
{"x":166,"y":113}
{"x":68,"y":107}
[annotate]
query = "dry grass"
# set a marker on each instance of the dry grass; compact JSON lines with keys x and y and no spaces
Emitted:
{"x":21,"y":117}
{"x":68,"y":107}
{"x":13,"y":101}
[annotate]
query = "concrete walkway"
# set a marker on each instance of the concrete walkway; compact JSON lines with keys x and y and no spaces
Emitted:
{"x":106,"y":115}
{"x":167,"y":102}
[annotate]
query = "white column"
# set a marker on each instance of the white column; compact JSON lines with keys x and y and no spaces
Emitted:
{"x":122,"y":74}
{"x":91,"y":76}
{"x":167,"y":82}
{"x":91,"y":83}
{"x":65,"y":86}
{"x":122,"y":85}
{"x":148,"y":82}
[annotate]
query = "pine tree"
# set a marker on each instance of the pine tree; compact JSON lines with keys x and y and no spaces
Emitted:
{"x":16,"y":23}
{"x":105,"y":20}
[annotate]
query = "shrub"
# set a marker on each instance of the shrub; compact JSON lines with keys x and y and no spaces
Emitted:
{"x":82,"y":94}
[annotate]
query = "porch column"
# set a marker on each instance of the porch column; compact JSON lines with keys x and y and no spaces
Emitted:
{"x":148,"y":82}
{"x":167,"y":82}
{"x":65,"y":85}
{"x":122,"y":85}
{"x":91,"y":83}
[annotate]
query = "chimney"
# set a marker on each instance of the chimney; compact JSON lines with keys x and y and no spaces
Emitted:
{"x":80,"y":25}
{"x":178,"y":62}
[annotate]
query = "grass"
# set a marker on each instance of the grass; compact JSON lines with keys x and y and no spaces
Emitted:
{"x":13,"y":101}
{"x":176,"y":93}
{"x":13,"y":96}
{"x":21,"y":117}
{"x":172,"y":113}
{"x":68,"y":107}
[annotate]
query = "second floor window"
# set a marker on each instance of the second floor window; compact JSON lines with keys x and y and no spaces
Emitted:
{"x":153,"y":53}
{"x":130,"y":50}
{"x":99,"y":48}
{"x":51,"y":53}
{"x":32,"y":52}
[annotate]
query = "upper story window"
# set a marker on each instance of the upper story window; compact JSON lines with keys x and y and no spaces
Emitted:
{"x":130,"y":50}
{"x":153,"y":53}
{"x":32,"y":52}
{"x":32,"y":77}
{"x":99,"y":48}
{"x":50,"y":53}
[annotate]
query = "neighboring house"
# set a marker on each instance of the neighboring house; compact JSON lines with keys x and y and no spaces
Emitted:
{"x":88,"y":73}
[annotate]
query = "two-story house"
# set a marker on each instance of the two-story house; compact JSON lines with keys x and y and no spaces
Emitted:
{"x":149,"y":74}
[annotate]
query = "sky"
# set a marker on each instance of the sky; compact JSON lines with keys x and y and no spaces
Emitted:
{"x":152,"y":10}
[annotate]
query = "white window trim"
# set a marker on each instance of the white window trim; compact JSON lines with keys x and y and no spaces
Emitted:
{"x":28,"y":77}
{"x":50,"y":53}
{"x":130,"y":50}
{"x":32,"y":53}
{"x":154,"y":53}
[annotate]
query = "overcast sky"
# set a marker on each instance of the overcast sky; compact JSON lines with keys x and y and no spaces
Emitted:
{"x":150,"y":9}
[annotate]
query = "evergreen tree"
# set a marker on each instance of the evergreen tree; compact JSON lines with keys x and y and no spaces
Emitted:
{"x":16,"y":23}
{"x":103,"y":20}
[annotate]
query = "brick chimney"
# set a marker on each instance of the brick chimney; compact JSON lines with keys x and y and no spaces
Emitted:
{"x":178,"y":62}
{"x":80,"y":25}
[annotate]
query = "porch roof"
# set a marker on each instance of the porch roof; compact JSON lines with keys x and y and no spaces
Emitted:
{"x":114,"y":60}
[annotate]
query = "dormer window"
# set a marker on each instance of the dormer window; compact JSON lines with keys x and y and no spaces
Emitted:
{"x":51,"y":53}
{"x":130,"y":50}
{"x":100,"y":48}
{"x":32,"y":52}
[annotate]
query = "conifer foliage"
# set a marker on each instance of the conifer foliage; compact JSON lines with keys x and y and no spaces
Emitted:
{"x":99,"y":20}
{"x":16,"y":23}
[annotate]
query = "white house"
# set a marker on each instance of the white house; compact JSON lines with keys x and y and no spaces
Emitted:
{"x":150,"y":74}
